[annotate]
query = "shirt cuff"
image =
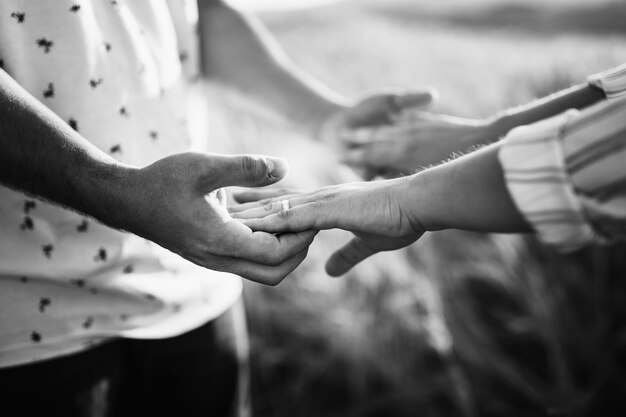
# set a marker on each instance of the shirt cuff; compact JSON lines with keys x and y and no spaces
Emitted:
{"x":612,"y":82}
{"x":536,"y":177}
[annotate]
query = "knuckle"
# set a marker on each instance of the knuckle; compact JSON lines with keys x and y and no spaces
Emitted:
{"x":317,"y":205}
{"x":267,"y":204}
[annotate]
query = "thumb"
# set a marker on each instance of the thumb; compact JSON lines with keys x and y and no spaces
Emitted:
{"x":387,"y":107}
{"x":412,"y":99}
{"x":247,"y":170}
{"x":349,"y":255}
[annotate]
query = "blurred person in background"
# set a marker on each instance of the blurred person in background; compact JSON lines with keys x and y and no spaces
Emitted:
{"x":560,"y":171}
{"x":93,"y":94}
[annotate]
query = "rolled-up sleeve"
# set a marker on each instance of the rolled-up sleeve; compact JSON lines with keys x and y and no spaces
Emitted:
{"x":567,"y":175}
{"x":612,"y":82}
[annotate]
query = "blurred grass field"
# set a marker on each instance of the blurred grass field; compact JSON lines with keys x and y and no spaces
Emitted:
{"x":459,"y":324}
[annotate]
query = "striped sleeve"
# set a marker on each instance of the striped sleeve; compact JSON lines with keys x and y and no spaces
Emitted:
{"x":567,"y":175}
{"x":534,"y":169}
{"x":612,"y":82}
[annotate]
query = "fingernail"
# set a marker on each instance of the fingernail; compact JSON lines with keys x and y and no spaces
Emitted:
{"x":270,"y":167}
{"x":276,"y":167}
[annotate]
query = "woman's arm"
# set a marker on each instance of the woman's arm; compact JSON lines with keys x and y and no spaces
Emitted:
{"x":468,"y":193}
{"x":420,"y":139}
{"x":576,"y":97}
{"x":563,"y":177}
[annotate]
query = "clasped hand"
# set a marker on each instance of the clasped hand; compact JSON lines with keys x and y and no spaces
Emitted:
{"x":375,"y":212}
{"x":177,"y":203}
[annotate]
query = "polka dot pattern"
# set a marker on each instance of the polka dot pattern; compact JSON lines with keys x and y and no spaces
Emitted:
{"x":117,"y":73}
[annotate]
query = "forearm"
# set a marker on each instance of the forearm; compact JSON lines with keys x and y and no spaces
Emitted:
{"x":239,"y":51}
{"x":468,"y":193}
{"x":576,"y":97}
{"x":41,"y":155}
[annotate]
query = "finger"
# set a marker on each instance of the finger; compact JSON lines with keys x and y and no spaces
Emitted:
{"x":378,"y":155}
{"x":245,"y":170}
{"x":352,"y":137}
{"x":264,"y":274}
{"x":383,"y":133}
{"x":250,"y":196}
{"x":348,"y":256}
{"x":417,"y":115}
{"x":275,"y":204}
{"x":262,"y":247}
{"x":262,"y":208}
{"x":396,"y":104}
{"x":414,"y":99}
{"x":359,"y":157}
{"x":304,"y":217}
{"x":269,"y":205}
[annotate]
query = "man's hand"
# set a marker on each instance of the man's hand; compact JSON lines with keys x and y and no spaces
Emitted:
{"x":177,"y":203}
{"x":340,"y":126}
{"x":374,"y":212}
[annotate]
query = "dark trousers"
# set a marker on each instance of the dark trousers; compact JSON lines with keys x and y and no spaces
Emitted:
{"x":200,"y":373}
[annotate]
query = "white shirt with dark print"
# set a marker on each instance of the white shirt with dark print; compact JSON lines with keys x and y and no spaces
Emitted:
{"x":116,"y":71}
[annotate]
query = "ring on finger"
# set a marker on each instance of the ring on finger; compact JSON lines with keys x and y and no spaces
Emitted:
{"x":285,"y":204}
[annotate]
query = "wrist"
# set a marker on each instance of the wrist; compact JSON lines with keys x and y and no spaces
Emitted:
{"x":106,"y":190}
{"x":497,"y":126}
{"x":423,"y":193}
{"x":414,"y":195}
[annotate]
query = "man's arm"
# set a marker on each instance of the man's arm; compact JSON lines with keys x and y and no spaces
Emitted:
{"x":238,"y":50}
{"x":165,"y":202}
{"x":40,"y":154}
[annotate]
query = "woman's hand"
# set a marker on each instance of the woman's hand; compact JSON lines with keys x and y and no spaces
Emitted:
{"x":468,"y":193}
{"x":417,"y":139}
{"x":374,"y":212}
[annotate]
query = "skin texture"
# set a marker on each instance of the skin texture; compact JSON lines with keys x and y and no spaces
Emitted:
{"x":468,"y":193}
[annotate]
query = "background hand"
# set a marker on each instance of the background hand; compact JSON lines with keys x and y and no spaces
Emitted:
{"x":176,"y":204}
{"x":417,"y":139}
{"x":374,"y":212}
{"x":374,"y":110}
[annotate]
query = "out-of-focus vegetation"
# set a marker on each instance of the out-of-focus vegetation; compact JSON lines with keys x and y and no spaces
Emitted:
{"x":459,"y":324}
